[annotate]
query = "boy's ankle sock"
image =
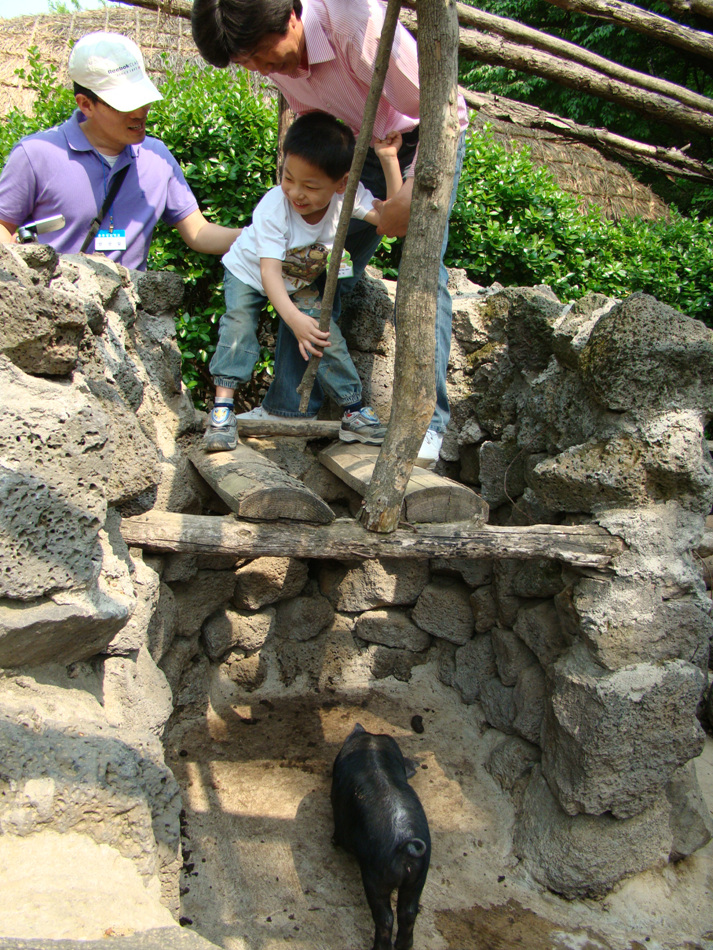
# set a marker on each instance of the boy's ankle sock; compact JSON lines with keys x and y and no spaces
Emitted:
{"x":223,"y":401}
{"x":355,"y":407}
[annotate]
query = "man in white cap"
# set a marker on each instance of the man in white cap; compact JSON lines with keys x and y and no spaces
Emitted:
{"x":101,"y":164}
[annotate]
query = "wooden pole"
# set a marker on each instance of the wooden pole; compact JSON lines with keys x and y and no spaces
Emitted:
{"x":381,"y":66}
{"x":417,"y":293}
{"x":583,"y":546}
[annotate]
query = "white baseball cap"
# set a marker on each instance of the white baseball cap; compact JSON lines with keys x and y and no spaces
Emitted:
{"x":112,"y":67}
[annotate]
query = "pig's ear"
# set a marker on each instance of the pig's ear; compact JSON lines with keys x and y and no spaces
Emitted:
{"x":357,"y":729}
{"x":411,"y":767}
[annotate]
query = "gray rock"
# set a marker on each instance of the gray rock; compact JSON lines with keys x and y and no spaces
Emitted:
{"x":485,"y":610}
{"x":52,"y":510}
{"x":367,"y":319}
{"x":474,"y":665}
{"x":136,"y":693}
{"x":541,"y":629}
{"x":163,"y":626}
{"x":585,"y":856}
{"x":209,"y":591}
{"x":502,"y":472}
{"x":247,"y":672}
{"x":626,"y":620}
{"x":512,"y":656}
{"x":267,"y":580}
{"x":159,"y":291}
{"x":135,"y":633}
{"x":178,"y":658}
{"x":498,"y":702}
{"x":508,"y":603}
{"x":391,"y":628}
{"x":444,"y":611}
{"x":612,"y":741}
{"x":228,"y":629}
{"x":644,"y":355}
{"x":530,"y":699}
{"x":363,"y":585}
{"x":690,"y":821}
{"x":539,"y":577}
{"x":71,"y":770}
{"x":474,"y":571}
{"x":303,"y":618}
{"x":385,"y":661}
{"x":532,"y":316}
{"x":511,"y":761}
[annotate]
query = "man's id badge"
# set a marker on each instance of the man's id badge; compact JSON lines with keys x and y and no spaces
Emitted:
{"x":110,"y":241}
{"x":345,"y":265}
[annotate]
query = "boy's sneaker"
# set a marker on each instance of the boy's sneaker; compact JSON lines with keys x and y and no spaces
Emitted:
{"x":362,"y":426}
{"x":259,"y":413}
{"x":430,"y":449}
{"x":221,"y":434}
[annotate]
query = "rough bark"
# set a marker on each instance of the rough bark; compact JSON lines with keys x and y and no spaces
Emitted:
{"x":701,"y":7}
{"x":528,"y":36}
{"x":671,"y":161}
{"x":586,"y":546}
{"x":416,"y":298}
{"x":642,"y":21}
{"x":381,"y":64}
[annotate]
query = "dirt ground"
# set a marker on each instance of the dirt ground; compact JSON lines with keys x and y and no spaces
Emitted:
{"x":261,"y":872}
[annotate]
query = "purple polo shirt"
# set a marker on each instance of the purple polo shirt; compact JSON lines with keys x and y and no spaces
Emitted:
{"x":59,"y":172}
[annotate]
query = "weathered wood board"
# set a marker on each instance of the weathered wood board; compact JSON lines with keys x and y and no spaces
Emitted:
{"x":254,"y":487}
{"x":585,"y":546}
{"x":429,"y":498}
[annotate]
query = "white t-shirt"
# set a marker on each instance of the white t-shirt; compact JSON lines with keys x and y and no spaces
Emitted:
{"x":278,"y":232}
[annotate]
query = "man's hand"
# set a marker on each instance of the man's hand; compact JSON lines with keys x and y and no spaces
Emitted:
{"x":394,"y":213}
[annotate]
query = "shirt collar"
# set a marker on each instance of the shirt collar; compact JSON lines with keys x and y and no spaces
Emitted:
{"x":319,"y":49}
{"x":78,"y":142}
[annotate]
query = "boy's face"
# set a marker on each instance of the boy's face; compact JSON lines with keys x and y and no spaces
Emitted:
{"x":308,"y":189}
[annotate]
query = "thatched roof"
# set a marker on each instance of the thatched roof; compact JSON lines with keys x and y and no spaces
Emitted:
{"x":580,"y":170}
{"x":577,"y":168}
{"x":52,"y":34}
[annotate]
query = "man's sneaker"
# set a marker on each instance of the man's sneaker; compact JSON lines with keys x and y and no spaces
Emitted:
{"x":221,"y":434}
{"x":259,"y":413}
{"x":430,"y":449}
{"x":362,"y":426}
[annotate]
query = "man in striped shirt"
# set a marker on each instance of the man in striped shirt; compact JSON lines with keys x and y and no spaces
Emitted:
{"x":320,"y":54}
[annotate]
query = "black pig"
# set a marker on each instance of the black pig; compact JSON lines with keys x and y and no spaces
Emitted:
{"x":378,"y":817}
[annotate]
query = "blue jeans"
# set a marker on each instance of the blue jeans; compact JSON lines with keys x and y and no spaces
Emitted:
{"x":238,"y":348}
{"x":362,"y":240}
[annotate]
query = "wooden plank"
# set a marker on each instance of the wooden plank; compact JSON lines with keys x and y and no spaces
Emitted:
{"x":428,"y":498}
{"x":584,"y":546}
{"x":255,"y":487}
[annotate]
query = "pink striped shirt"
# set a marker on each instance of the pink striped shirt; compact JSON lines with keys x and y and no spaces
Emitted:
{"x":342,"y":37}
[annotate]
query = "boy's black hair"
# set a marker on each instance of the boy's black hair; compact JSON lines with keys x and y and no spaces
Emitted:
{"x":323,"y":141}
{"x":83,"y":91}
{"x":226,"y":28}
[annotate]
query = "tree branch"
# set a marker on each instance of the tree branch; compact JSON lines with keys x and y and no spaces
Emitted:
{"x":642,"y":21}
{"x":381,"y":65}
{"x":668,"y":160}
{"x":414,"y":395}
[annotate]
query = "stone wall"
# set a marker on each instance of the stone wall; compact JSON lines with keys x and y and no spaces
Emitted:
{"x":561,"y":415}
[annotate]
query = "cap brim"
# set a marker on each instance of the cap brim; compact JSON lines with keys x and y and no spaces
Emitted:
{"x":131,"y":96}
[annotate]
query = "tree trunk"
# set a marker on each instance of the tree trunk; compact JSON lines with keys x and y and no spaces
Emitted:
{"x":642,"y":21}
{"x":670,"y":161}
{"x":381,"y":65}
{"x":527,"y":36}
{"x":416,"y":297}
{"x":702,"y":7}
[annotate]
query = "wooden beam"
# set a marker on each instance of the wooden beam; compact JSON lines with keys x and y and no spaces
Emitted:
{"x":583,"y":546}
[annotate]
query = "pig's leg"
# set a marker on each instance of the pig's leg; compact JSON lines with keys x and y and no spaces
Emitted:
{"x":380,"y":904}
{"x":406,"y":911}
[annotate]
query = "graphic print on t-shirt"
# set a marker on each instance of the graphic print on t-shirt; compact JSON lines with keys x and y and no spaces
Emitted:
{"x":302,"y":265}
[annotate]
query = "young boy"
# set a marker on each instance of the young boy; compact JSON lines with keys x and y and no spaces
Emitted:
{"x":282,"y":252}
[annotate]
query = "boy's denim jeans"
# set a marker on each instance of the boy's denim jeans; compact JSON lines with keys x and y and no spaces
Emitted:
{"x":238,"y":349}
{"x":282,"y":398}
